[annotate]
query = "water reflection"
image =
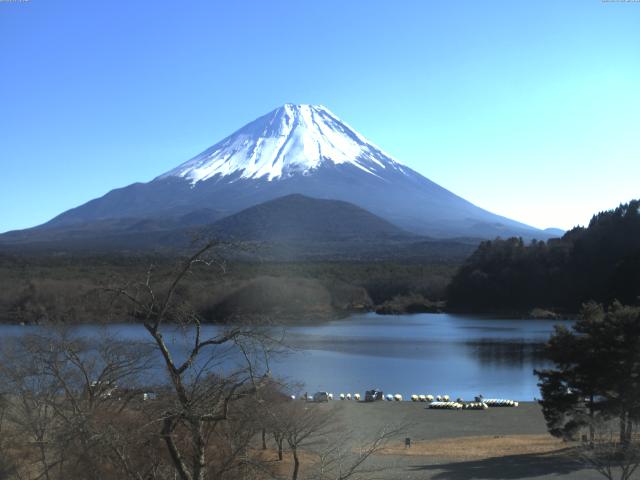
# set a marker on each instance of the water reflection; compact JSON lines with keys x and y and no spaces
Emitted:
{"x":488,"y":352}
{"x":458,"y":355}
{"x":424,"y":353}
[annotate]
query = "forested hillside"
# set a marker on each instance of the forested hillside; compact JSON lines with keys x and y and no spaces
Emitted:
{"x":600,"y":262}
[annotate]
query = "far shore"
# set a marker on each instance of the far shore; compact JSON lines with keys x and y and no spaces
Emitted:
{"x":315,"y":319}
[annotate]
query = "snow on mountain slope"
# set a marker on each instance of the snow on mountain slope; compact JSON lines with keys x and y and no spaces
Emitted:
{"x":295,"y":149}
{"x":292,"y":139}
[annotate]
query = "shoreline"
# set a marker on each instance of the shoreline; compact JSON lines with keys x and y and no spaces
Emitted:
{"x":288,"y":320}
{"x":493,"y":444}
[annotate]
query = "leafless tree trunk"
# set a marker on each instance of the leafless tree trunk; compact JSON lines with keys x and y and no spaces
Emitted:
{"x":317,"y":429}
{"x":614,"y":456}
{"x":6,"y":467}
{"x":279,"y":438}
{"x":77,"y":404}
{"x":65,"y":402}
{"x":296,"y":463}
{"x":203,"y":392}
{"x":343,"y":455}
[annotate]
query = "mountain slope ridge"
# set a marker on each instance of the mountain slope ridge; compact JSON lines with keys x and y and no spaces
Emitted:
{"x":298,"y":149}
{"x":289,"y":228}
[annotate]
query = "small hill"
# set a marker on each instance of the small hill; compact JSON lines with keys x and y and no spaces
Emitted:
{"x":308,"y":220}
{"x":292,"y":227}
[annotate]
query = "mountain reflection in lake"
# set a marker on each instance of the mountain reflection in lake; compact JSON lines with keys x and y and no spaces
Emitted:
{"x":458,"y":355}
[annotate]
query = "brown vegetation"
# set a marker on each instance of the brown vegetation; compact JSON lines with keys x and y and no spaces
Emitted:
{"x":49,"y":289}
{"x":480,"y":447}
{"x":74,"y":407}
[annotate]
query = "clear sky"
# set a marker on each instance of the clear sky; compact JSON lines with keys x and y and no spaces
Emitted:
{"x":528,"y":109}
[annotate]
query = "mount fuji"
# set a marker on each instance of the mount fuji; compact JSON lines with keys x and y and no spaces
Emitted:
{"x":294,"y":149}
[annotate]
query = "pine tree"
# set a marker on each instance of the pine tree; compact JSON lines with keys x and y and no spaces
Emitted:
{"x":597,"y":373}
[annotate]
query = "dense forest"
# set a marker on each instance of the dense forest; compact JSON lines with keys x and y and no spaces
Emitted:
{"x":600,"y":262}
{"x":77,"y":289}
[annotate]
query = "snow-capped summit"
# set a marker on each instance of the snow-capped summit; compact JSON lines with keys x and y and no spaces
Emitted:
{"x":295,"y":149}
{"x":292,"y":139}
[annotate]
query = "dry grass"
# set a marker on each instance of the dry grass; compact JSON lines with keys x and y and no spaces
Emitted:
{"x":478,"y":448}
{"x":284,"y":467}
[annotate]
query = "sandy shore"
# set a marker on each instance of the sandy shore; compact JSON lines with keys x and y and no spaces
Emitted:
{"x":499,"y":443}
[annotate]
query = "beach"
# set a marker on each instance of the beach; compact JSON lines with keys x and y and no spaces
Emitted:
{"x":498,"y":443}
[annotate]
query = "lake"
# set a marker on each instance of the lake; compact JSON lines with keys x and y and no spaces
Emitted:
{"x":458,"y":355}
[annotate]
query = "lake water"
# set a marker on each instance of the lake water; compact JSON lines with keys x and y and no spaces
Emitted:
{"x":434,"y":354}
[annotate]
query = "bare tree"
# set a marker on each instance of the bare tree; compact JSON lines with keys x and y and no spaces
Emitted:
{"x":301,"y":424}
{"x":76,"y":405}
{"x":203,"y":385}
{"x":272,"y":409}
{"x":331,"y":452}
{"x":6,"y":465}
{"x":67,"y":396}
{"x":30,"y":413}
{"x":345,"y":456}
{"x":606,"y":453}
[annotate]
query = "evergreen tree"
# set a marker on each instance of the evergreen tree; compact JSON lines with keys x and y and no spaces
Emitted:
{"x":596,"y":376}
{"x":601,"y":263}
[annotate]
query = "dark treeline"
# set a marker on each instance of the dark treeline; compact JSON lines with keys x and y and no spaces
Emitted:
{"x":600,"y":262}
{"x":74,"y":289}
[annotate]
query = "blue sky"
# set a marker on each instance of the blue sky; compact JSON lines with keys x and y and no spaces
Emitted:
{"x":528,"y":109}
